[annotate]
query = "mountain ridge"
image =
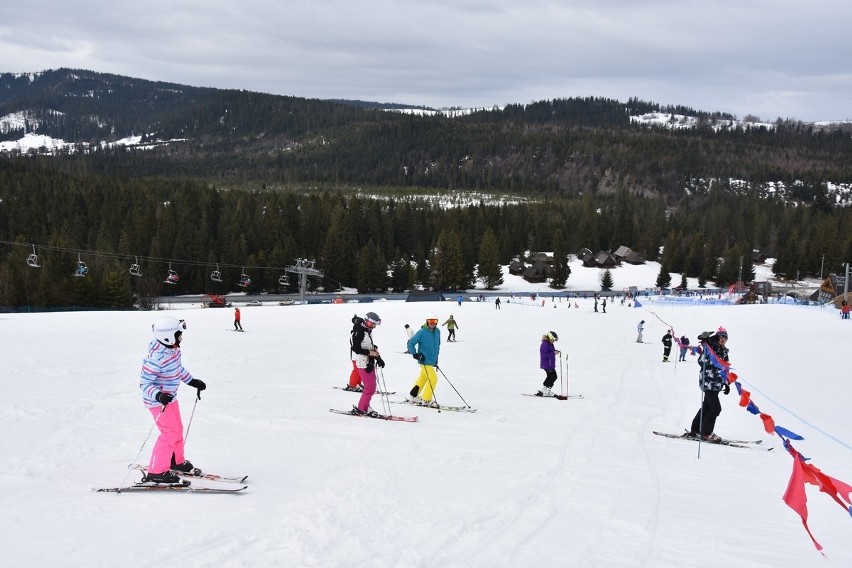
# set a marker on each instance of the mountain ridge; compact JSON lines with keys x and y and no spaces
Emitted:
{"x":562,"y":146}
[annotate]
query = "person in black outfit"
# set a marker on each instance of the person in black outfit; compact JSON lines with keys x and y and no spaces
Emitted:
{"x":711,"y":381}
{"x":667,"y":346}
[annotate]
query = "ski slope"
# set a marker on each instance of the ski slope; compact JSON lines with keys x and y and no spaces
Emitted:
{"x":522,"y":482}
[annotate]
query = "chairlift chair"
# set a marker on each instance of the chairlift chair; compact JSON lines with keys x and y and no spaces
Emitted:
{"x":216,"y":276}
{"x":134,"y":268}
{"x":284,"y":280}
{"x":32,"y":260}
{"x":245,"y":281}
{"x":172,"y":277}
{"x":82,"y":270}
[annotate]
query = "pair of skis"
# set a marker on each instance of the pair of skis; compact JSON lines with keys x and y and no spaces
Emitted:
{"x":438,"y":407}
{"x":376,"y":417}
{"x":347,"y":389}
{"x":185,"y":486}
{"x":556,"y":396}
{"x":750,"y":444}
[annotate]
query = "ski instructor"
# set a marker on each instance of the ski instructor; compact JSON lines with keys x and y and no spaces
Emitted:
{"x":425,"y":347}
{"x":162,"y":374}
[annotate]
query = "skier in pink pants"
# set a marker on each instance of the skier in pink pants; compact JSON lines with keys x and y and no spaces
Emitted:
{"x":162,"y":374}
{"x":366,"y":359}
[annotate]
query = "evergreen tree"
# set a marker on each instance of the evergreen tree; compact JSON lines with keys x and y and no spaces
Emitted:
{"x":446,"y":264}
{"x":372,"y":269}
{"x":117,"y":291}
{"x":561,"y":269}
{"x":489,"y":271}
{"x":338,"y":251}
{"x":403,"y":275}
{"x":84,"y":294}
{"x":708,"y":271}
{"x":664,"y":279}
{"x":606,"y":280}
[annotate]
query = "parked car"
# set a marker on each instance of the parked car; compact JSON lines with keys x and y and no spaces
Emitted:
{"x":287,"y":302}
{"x":254,"y":303}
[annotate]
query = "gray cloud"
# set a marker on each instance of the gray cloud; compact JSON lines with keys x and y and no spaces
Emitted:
{"x":785,"y":58}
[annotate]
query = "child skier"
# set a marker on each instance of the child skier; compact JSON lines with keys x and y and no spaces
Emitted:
{"x":162,"y":374}
{"x":547,"y":352}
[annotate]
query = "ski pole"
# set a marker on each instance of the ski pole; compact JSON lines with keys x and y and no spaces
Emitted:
{"x":383,"y":389}
{"x":700,"y":424}
{"x":561,"y":386}
{"x":701,"y":412}
{"x":431,"y":385}
{"x":142,"y":447}
{"x":451,"y":384}
{"x":189,"y":424}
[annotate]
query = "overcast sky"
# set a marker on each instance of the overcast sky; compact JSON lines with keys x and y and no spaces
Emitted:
{"x":770,"y":58}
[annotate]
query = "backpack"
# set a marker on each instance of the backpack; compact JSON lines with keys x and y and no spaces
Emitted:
{"x":357,"y":325}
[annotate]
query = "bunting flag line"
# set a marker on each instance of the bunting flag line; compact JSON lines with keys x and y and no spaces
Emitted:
{"x":804,"y":473}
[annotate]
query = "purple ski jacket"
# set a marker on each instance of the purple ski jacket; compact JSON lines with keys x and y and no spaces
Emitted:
{"x":548,"y":355}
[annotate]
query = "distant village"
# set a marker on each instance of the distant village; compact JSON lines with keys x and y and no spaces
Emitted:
{"x":538,"y":267}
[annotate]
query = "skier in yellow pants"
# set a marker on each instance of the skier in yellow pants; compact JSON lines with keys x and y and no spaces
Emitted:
{"x":425,"y":347}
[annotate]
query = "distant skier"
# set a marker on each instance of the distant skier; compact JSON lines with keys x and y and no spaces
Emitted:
{"x":640,"y":327}
{"x":452,"y":326}
{"x":603,"y":305}
{"x":547,"y":356}
{"x":667,"y":345}
{"x":237,"y":325}
{"x":684,"y":347}
{"x":497,"y":303}
{"x":409,"y":332}
{"x":162,"y":373}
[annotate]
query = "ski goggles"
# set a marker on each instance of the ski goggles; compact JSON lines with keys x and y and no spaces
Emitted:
{"x":432,"y":322}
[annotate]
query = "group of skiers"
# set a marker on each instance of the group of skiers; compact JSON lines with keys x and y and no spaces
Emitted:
{"x":424,"y":345}
{"x":163,"y":372}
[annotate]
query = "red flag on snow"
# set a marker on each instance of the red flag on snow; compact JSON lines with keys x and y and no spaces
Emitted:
{"x":803,"y":473}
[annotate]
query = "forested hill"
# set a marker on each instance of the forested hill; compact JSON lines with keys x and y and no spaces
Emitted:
{"x":167,"y":177}
{"x":560,"y":147}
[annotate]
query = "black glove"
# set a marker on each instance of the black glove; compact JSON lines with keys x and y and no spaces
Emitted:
{"x":164,"y":398}
{"x":727,"y":389}
{"x":197,"y":384}
{"x":380,"y":362}
{"x":419,"y":356}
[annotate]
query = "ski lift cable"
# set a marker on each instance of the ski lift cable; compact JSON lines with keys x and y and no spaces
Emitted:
{"x":138,"y":258}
